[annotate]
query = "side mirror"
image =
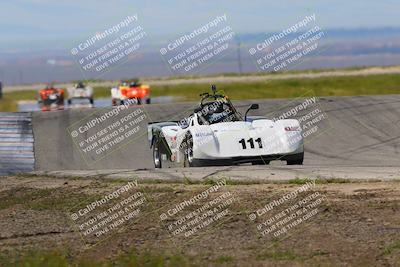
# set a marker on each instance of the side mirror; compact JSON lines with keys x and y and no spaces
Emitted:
{"x":252,"y":106}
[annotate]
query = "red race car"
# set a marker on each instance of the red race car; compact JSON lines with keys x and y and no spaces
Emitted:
{"x":51,"y":98}
{"x":130,"y":90}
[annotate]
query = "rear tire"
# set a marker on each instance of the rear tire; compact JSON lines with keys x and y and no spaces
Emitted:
{"x":91,"y":101}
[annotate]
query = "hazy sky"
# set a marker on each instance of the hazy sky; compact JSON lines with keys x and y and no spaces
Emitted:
{"x":37,"y":30}
{"x":40,"y":18}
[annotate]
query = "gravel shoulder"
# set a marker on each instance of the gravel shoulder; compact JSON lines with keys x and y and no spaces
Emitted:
{"x":356,"y":224}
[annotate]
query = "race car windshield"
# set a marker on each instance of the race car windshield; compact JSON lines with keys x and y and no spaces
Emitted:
{"x":217,"y":112}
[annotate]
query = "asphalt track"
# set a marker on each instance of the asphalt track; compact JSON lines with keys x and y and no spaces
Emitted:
{"x":358,"y":138}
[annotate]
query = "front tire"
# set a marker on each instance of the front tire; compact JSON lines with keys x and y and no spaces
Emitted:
{"x":157,"y":155}
{"x":189,"y":160}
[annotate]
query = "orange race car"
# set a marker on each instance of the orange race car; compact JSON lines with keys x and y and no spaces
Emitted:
{"x":51,"y":98}
{"x":130,"y":90}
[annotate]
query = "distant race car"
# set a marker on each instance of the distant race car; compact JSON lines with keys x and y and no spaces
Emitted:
{"x":51,"y":98}
{"x":217,"y":134}
{"x":80,"y":91}
{"x":133,"y":90}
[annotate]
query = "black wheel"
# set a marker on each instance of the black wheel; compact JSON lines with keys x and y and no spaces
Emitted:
{"x":91,"y":101}
{"x":139,"y":101}
{"x":189,"y":160}
{"x":121,"y":102}
{"x":157,"y":155}
{"x":296,"y":159}
{"x":148,"y":101}
{"x":69,"y":102}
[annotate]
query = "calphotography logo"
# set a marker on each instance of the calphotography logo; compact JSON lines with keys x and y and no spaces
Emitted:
{"x":309,"y":112}
{"x":285,"y":49}
{"x":112,"y":212}
{"x":281,"y":215}
{"x":183,"y":221}
{"x":102,"y":133}
{"x":192,"y":52}
{"x":110,"y":47}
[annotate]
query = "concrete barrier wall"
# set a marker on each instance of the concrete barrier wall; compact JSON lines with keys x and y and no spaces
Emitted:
{"x":16,"y":143}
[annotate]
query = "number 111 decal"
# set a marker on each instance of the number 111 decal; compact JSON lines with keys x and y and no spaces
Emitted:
{"x":251,"y":142}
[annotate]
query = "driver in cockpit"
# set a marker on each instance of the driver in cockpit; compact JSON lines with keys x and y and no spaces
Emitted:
{"x":214,"y":113}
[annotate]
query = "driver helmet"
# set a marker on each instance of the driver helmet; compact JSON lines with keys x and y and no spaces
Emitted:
{"x":216,"y":107}
{"x":80,"y":85}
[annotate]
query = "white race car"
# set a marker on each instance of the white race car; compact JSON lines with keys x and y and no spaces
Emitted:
{"x":216,"y":134}
{"x":80,"y":91}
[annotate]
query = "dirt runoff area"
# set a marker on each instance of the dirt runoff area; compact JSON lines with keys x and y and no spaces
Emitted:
{"x":48,"y":221}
